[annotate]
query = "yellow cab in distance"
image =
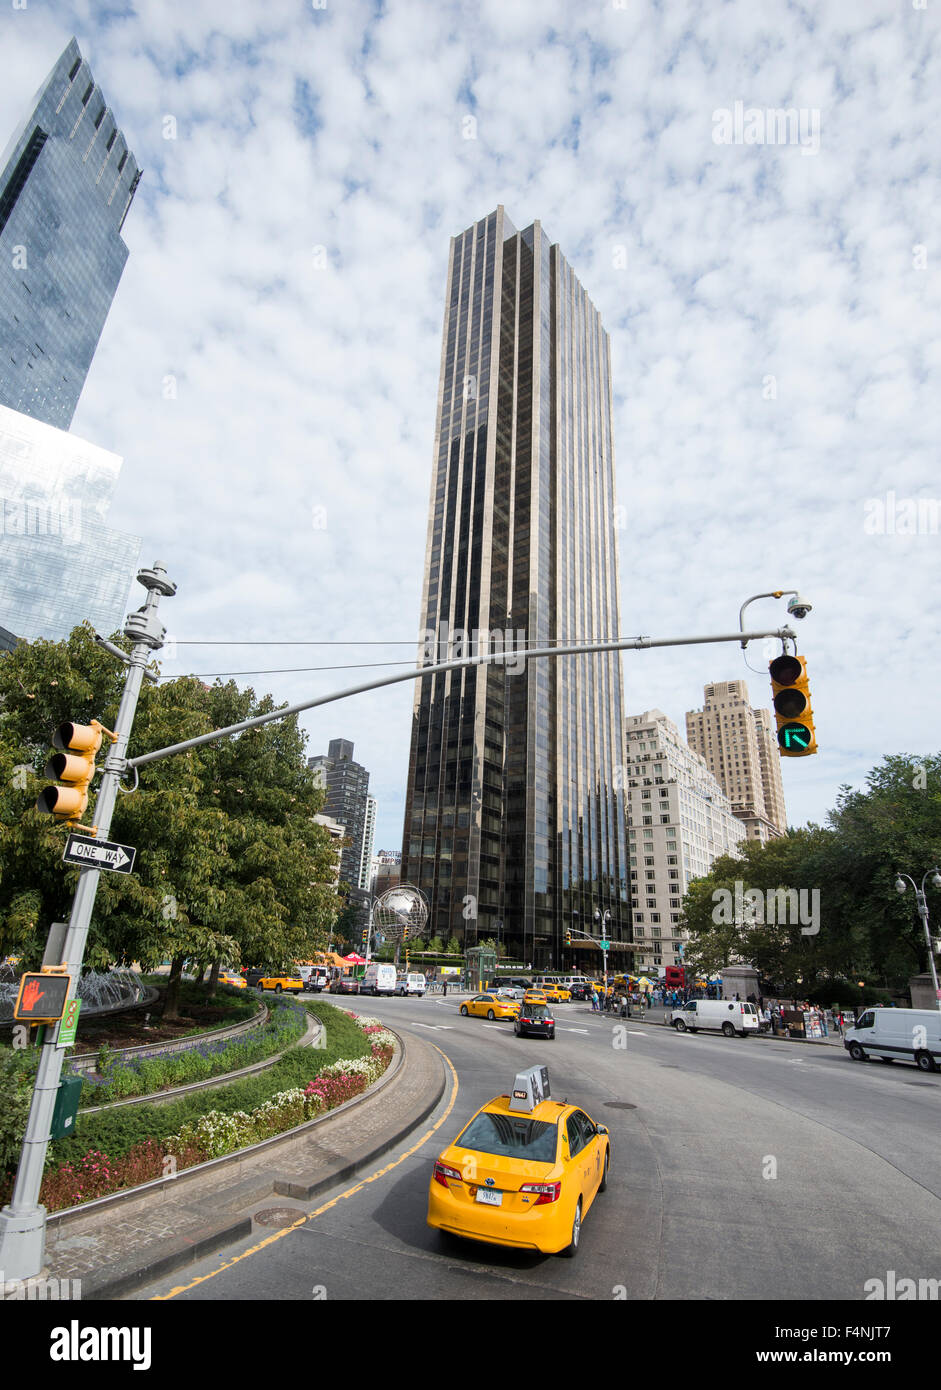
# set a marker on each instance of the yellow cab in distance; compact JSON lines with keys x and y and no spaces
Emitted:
{"x":523,"y":1172}
{"x":556,"y":994}
{"x":490,"y":1006}
{"x":535,"y":996}
{"x":229,"y":977}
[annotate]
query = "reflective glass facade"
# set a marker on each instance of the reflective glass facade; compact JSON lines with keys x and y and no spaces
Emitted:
{"x":513,"y":825}
{"x":59,"y":563}
{"x":66,"y":182}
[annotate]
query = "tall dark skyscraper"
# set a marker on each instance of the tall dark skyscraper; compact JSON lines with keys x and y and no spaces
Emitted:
{"x":66,"y":182}
{"x":514,"y":825}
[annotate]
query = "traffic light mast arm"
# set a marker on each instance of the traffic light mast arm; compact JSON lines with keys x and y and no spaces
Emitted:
{"x":419,"y":673}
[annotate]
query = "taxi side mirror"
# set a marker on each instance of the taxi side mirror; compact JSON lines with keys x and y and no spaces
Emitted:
{"x":601,"y":1129}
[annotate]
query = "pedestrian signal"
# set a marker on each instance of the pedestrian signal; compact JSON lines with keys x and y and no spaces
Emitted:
{"x":42,"y":997}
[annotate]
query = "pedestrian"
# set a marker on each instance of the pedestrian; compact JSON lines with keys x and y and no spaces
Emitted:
{"x":444,"y":987}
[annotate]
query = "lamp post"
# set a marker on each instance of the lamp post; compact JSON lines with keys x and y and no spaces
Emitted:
{"x":922,"y":903}
{"x":603,"y":920}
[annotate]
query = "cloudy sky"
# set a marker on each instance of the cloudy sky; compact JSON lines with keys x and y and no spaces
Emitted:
{"x":269,"y":368}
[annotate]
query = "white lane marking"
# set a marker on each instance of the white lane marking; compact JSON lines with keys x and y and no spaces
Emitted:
{"x":576,"y":1030}
{"x":435,"y":1027}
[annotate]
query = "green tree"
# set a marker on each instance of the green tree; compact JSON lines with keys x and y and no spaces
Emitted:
{"x":231,"y":865}
{"x":865,"y":930}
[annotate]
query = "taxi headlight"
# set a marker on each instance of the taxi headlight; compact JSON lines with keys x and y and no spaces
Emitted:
{"x":548,"y":1191}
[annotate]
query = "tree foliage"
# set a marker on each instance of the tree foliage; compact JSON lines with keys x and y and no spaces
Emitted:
{"x":230,"y":863}
{"x":863,"y":929}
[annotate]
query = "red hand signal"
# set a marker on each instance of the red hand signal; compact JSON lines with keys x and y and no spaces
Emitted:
{"x":31,"y":995}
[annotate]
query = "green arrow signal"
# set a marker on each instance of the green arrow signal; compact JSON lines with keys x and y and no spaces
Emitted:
{"x":793,"y":734}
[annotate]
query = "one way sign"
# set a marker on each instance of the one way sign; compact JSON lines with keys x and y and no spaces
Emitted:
{"x":99,"y":854}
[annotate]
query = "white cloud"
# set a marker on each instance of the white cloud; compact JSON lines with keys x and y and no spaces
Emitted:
{"x":301,"y":388}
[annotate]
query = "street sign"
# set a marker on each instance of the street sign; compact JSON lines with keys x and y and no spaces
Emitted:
{"x":69,"y":1024}
{"x":99,"y":854}
{"x":605,"y":945}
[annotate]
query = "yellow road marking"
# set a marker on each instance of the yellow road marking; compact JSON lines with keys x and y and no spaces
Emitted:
{"x":350,"y":1192}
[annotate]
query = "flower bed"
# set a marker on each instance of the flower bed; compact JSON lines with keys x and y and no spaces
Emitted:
{"x":143,"y":1076}
{"x":220,"y":1132}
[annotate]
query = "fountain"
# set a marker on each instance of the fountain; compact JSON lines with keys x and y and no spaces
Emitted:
{"x":101,"y":992}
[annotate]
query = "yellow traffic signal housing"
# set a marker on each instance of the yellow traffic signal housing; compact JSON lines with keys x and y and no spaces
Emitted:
{"x":792,"y":710}
{"x":74,"y":765}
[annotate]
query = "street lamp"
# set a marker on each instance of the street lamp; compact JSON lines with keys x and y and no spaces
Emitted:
{"x":603,"y":919}
{"x":922,"y":902}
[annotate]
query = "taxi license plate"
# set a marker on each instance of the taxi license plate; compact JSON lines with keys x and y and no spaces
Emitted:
{"x":489,"y":1197}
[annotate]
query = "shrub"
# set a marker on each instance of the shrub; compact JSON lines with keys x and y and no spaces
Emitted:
{"x":16,"y":1083}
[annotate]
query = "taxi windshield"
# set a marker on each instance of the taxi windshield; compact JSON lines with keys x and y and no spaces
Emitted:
{"x":511,"y":1136}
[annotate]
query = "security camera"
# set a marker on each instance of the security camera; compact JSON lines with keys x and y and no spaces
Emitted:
{"x":798,"y":607}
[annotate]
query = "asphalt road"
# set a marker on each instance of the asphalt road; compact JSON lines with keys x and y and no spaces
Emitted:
{"x":741,"y":1169}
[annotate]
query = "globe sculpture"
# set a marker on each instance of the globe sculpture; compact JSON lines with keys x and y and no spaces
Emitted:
{"x":398,"y":908}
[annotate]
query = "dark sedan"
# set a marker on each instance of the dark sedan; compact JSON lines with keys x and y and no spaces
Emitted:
{"x":534,"y":1021}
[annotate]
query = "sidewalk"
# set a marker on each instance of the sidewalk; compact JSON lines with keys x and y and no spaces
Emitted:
{"x":119,"y":1243}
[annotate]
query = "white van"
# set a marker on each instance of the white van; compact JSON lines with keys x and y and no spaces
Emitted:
{"x":378,"y":979}
{"x":412,"y":983}
{"x":728,"y":1016}
{"x":911,"y":1035}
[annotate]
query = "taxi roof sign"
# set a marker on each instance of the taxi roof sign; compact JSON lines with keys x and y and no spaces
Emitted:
{"x":530,"y":1088}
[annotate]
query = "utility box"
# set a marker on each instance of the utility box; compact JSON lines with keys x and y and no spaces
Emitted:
{"x":67,"y":1098}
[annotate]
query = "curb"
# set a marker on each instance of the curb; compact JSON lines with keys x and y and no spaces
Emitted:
{"x":178,"y":1251}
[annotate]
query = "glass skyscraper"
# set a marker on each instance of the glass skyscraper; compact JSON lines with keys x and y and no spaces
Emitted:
{"x":514,"y":828}
{"x":60,"y":564}
{"x":66,"y":182}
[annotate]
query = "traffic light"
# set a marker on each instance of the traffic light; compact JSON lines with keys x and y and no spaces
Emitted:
{"x":74,"y":765}
{"x":791,"y":696}
{"x":568,"y":937}
{"x":42,"y":996}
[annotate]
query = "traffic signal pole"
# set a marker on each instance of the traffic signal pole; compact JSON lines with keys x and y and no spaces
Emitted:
{"x":23,"y":1221}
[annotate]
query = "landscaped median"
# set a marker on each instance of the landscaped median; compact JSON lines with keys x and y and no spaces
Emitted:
{"x":115,"y":1150}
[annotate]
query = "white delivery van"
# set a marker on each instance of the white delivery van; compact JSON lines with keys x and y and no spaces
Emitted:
{"x":378,"y":979}
{"x":411,"y":983}
{"x":912,"y":1035}
{"x":728,"y":1016}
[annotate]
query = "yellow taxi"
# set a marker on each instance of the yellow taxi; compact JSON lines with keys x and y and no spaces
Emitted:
{"x":490,"y":1006}
{"x":229,"y":977}
{"x":523,"y":1172}
{"x":556,"y":994}
{"x":290,"y":984}
{"x":535,"y":996}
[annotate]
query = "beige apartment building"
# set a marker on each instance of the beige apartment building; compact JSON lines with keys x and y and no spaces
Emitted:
{"x":740,"y":747}
{"x":679,"y":822}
